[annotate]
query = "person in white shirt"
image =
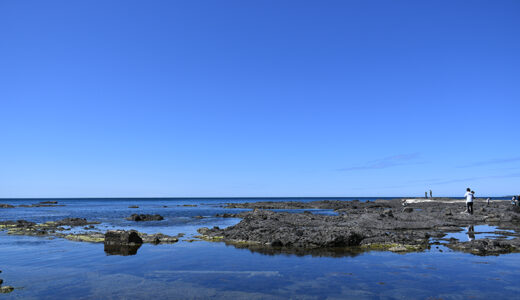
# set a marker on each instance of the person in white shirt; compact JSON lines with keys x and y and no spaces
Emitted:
{"x":469,"y":201}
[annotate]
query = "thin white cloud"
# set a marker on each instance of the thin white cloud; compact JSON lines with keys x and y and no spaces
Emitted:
{"x":386,"y":162}
{"x":492,"y":162}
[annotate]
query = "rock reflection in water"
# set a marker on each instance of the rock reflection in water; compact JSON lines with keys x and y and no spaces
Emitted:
{"x":320,"y":252}
{"x":123,"y":250}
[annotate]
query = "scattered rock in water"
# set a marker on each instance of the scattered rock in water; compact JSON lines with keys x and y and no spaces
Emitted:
{"x":74,"y":222}
{"x":3,"y":205}
{"x":198,"y":217}
{"x":91,"y":237}
{"x":158,"y":238}
{"x":55,"y":229}
{"x":189,"y":205}
{"x":6,"y":289}
{"x":407,"y":209}
{"x":42,"y":204}
{"x":49,"y":202}
{"x":144,"y":217}
{"x":122,"y":237}
{"x":133,"y":206}
{"x":226,"y":215}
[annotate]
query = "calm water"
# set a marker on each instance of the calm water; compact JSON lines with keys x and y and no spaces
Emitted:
{"x":44,"y":268}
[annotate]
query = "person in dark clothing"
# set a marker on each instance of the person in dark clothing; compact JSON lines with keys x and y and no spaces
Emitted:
{"x":469,"y":200}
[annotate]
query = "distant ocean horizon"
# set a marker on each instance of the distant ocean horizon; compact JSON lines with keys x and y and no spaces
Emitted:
{"x":247,"y":198}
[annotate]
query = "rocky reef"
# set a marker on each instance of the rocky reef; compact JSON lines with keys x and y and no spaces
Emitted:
{"x":40,"y":204}
{"x":394,"y":225}
{"x":61,"y":229}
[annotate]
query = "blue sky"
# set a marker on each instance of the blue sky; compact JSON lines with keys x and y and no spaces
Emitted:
{"x":259,"y":98}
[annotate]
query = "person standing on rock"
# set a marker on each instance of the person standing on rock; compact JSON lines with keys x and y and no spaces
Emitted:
{"x":431,"y":194}
{"x":469,"y":201}
{"x":426,"y":195}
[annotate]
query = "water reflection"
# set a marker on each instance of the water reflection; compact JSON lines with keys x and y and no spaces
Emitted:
{"x":471,"y":233}
{"x":321,"y":252}
{"x":123,"y":250}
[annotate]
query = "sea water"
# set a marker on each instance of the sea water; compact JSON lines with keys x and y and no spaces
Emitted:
{"x":55,"y":268}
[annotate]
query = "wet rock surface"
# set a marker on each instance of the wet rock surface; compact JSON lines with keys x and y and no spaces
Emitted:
{"x":393,"y":225}
{"x":144,"y":217}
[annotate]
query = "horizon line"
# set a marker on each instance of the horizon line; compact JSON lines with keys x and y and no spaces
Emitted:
{"x":246,"y":197}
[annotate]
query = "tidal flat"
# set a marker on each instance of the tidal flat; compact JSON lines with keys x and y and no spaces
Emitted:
{"x":444,"y":258}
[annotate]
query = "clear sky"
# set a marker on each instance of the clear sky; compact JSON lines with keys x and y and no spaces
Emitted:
{"x":259,"y":98}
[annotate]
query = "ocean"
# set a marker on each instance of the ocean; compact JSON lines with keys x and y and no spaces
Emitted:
{"x":55,"y":268}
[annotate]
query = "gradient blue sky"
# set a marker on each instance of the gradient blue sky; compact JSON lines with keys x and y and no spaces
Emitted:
{"x":259,"y":98}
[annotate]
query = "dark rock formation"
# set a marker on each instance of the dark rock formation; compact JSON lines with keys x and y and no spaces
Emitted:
{"x":3,"y":205}
{"x":41,"y":204}
{"x":144,"y":217}
{"x":74,"y":222}
{"x":49,"y":202}
{"x":379,"y":225}
{"x":122,"y":237}
{"x":133,"y":206}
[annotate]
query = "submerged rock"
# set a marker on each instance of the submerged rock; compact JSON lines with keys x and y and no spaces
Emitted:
{"x":145,"y":217}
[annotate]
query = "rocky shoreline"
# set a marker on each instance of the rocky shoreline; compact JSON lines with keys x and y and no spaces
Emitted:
{"x":399,"y":225}
{"x":395,"y":225}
